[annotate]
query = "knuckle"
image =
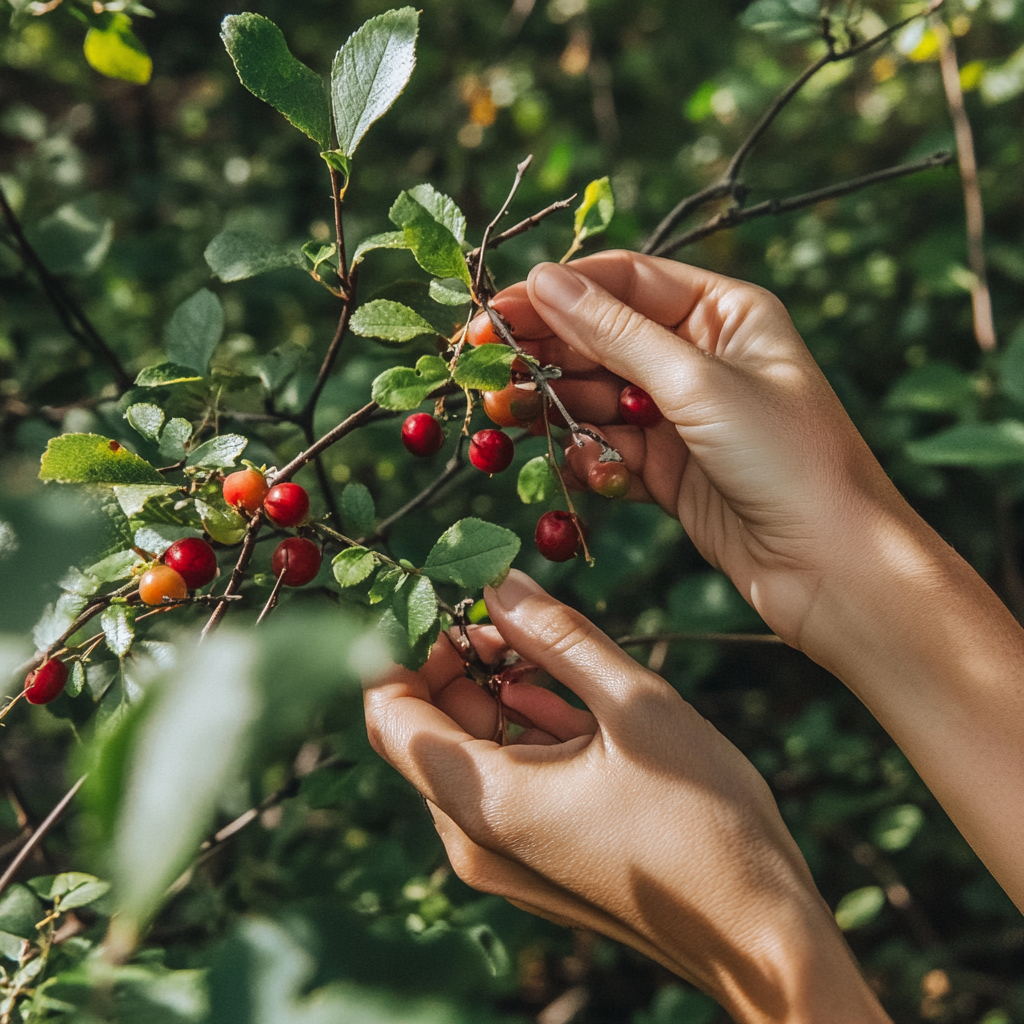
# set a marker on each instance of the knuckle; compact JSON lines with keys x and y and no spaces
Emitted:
{"x":618,"y":322}
{"x":563,"y":631}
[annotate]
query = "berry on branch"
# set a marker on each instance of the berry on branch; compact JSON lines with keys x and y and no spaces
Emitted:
{"x":246,"y":489}
{"x":557,"y":536}
{"x":162,"y":582}
{"x":513,"y":406}
{"x":194,"y":559}
{"x":46,"y":682}
{"x":481,"y":331}
{"x":610,"y":479}
{"x":297,"y":560}
{"x":422,"y":434}
{"x":287,"y":504}
{"x":491,"y":451}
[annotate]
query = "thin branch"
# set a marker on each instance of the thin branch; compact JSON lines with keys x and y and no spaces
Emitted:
{"x":981,"y":299}
{"x":306,"y":416}
{"x":338,"y":195}
{"x":346,"y":426}
{"x":736,"y":215}
{"x":646,"y":639}
{"x":520,"y":171}
{"x":237,"y":575}
{"x":523,"y":226}
{"x":37,"y":836}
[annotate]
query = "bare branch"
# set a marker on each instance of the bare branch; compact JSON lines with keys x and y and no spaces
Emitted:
{"x":237,"y":574}
{"x":520,"y":171}
{"x":346,"y":426}
{"x":523,"y":226}
{"x":306,"y":416}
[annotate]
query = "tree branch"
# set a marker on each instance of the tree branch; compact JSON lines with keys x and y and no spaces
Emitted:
{"x":237,"y":574}
{"x":520,"y":171}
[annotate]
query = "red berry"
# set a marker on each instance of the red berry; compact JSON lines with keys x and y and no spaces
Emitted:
{"x":287,"y":504}
{"x":557,"y":536}
{"x":246,"y":489}
{"x":422,"y":434}
{"x":609,"y":478}
{"x":513,"y":406}
{"x":491,"y":451}
{"x":46,"y":682}
{"x":159,"y":582}
{"x":637,"y":407}
{"x":298,"y":559}
{"x":194,"y":559}
{"x":481,"y":331}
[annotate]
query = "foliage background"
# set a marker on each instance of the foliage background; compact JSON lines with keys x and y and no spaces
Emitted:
{"x":337,"y":903}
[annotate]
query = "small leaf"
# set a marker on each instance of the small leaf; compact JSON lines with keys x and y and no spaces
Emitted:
{"x":384,"y":585}
{"x":237,"y":255}
{"x":977,"y":445}
{"x":92,"y":459}
{"x":403,"y":388}
{"x":268,"y":70}
{"x":218,"y":452}
{"x":76,"y":680}
{"x":402,"y":649}
{"x":369,"y":73}
{"x":117,"y":566}
{"x":352,"y":566}
{"x":441,"y":208}
{"x":133,"y":497}
{"x":415,"y":607}
{"x":385,"y":240}
{"x":75,"y":238}
{"x":224,"y":525}
{"x":859,"y":907}
{"x":145,"y":418}
{"x":435,"y":246}
{"x":118,"y":625}
{"x":165,"y":373}
{"x":192,"y":333}
{"x":472,"y":554}
{"x":787,"y":20}
{"x":174,"y":438}
{"x":391,"y":321}
{"x":357,"y":509}
{"x":449,"y":291}
{"x":538,"y":482}
{"x":84,"y":893}
{"x":487,"y":368}
{"x":595,"y":213}
{"x":318,"y":253}
{"x":20,"y":910}
{"x":115,"y":51}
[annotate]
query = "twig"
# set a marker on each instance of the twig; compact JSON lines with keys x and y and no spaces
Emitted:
{"x":981,"y":299}
{"x":523,"y":226}
{"x":331,"y":437}
{"x":306,"y":416}
{"x":643,"y":639}
{"x":237,"y":574}
{"x":520,"y":171}
{"x":37,"y":836}
{"x":272,"y":600}
{"x":740,"y":215}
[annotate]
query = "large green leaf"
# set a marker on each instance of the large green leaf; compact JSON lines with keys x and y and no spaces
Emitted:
{"x":369,"y":73}
{"x":389,"y":320}
{"x":192,"y":333}
{"x":472,"y":554}
{"x":449,"y":291}
{"x":235,"y":255}
{"x":113,"y":49}
{"x":428,"y":219}
{"x":268,"y":70}
{"x":402,"y":387}
{"x":133,"y":497}
{"x":92,"y":459}
{"x":415,"y":607}
{"x":977,"y":445}
{"x":486,"y":368}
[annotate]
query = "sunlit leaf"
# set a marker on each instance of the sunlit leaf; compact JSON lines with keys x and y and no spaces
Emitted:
{"x":486,"y":368}
{"x":385,"y":240}
{"x":472,"y":554}
{"x":391,"y":321}
{"x":595,"y":213}
{"x":217,"y":453}
{"x":235,"y":255}
{"x":352,"y":566}
{"x":538,"y":482}
{"x":118,"y":625}
{"x":402,"y":387}
{"x":92,"y":459}
{"x":147,"y":419}
{"x":450,"y":291}
{"x":115,"y":51}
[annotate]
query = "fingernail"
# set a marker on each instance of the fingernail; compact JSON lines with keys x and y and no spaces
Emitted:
{"x":516,"y":589}
{"x":557,"y":286}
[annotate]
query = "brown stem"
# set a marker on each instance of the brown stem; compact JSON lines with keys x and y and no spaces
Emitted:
{"x":237,"y":575}
{"x":357,"y":419}
{"x":306,"y":416}
{"x":523,"y":226}
{"x":520,"y":171}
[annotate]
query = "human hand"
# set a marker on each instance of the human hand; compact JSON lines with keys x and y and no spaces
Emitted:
{"x":636,"y":818}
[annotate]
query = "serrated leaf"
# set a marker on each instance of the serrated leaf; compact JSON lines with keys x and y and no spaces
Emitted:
{"x":268,"y":70}
{"x":538,"y":482}
{"x":352,"y":566}
{"x":75,"y":238}
{"x":133,"y":497}
{"x":384,"y":585}
{"x":165,"y":373}
{"x":236,"y":255}
{"x":402,"y":387}
{"x":93,"y":459}
{"x":449,"y":291}
{"x":434,"y":245}
{"x":118,"y":625}
{"x":472,"y":554}
{"x":389,"y":320}
{"x":76,"y":680}
{"x":20,"y":911}
{"x":218,"y":452}
{"x":369,"y":73}
{"x":441,"y":208}
{"x":357,"y":509}
{"x":595,"y":213}
{"x":415,"y":607}
{"x":174,"y":438}
{"x":192,"y":333}
{"x":486,"y":368}
{"x":224,"y":525}
{"x":385,"y":240}
{"x":402,"y":649}
{"x":976,"y":445}
{"x":115,"y":51}
{"x":145,"y":418}
{"x":318,"y":253}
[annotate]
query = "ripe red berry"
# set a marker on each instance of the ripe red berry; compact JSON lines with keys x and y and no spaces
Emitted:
{"x":513,"y":406}
{"x":637,"y":407}
{"x":159,"y":582}
{"x":422,"y":434}
{"x":246,"y":489}
{"x":298,"y":559}
{"x":46,"y":682}
{"x":609,"y":478}
{"x":194,"y":559}
{"x":481,"y":331}
{"x":287,"y":504}
{"x":557,"y":536}
{"x":491,"y":451}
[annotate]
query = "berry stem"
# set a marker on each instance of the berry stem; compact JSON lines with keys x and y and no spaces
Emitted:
{"x":235,"y":583}
{"x":272,"y":600}
{"x":565,"y":490}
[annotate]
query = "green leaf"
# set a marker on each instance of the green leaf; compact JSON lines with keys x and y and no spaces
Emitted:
{"x":428,"y":231}
{"x":20,"y":911}
{"x":76,"y":680}
{"x":538,"y":482}
{"x":75,"y":238}
{"x":192,"y":333}
{"x":384,"y":585}
{"x":859,"y":907}
{"x":472,"y":554}
{"x":385,"y":240}
{"x":1011,"y":366}
{"x":449,"y":291}
{"x":133,"y":497}
{"x":72,"y":888}
{"x":595,"y":213}
{"x":165,"y":373}
{"x":145,"y":418}
{"x":895,"y":827}
{"x":117,"y":566}
{"x":787,"y":20}
{"x":403,"y":650}
{"x":224,"y":525}
{"x":486,"y":368}
{"x":218,"y":452}
{"x":236,"y":255}
{"x":357,"y":509}
{"x":934,"y":387}
{"x":317,"y":253}
{"x":977,"y":445}
{"x":92,"y":459}
{"x":415,"y":607}
{"x":389,"y":320}
{"x":441,"y":208}
{"x":353,"y":565}
{"x":369,"y":73}
{"x":403,"y":388}
{"x":118,"y":625}
{"x":174,"y":438}
{"x":268,"y":70}
{"x":115,"y":51}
